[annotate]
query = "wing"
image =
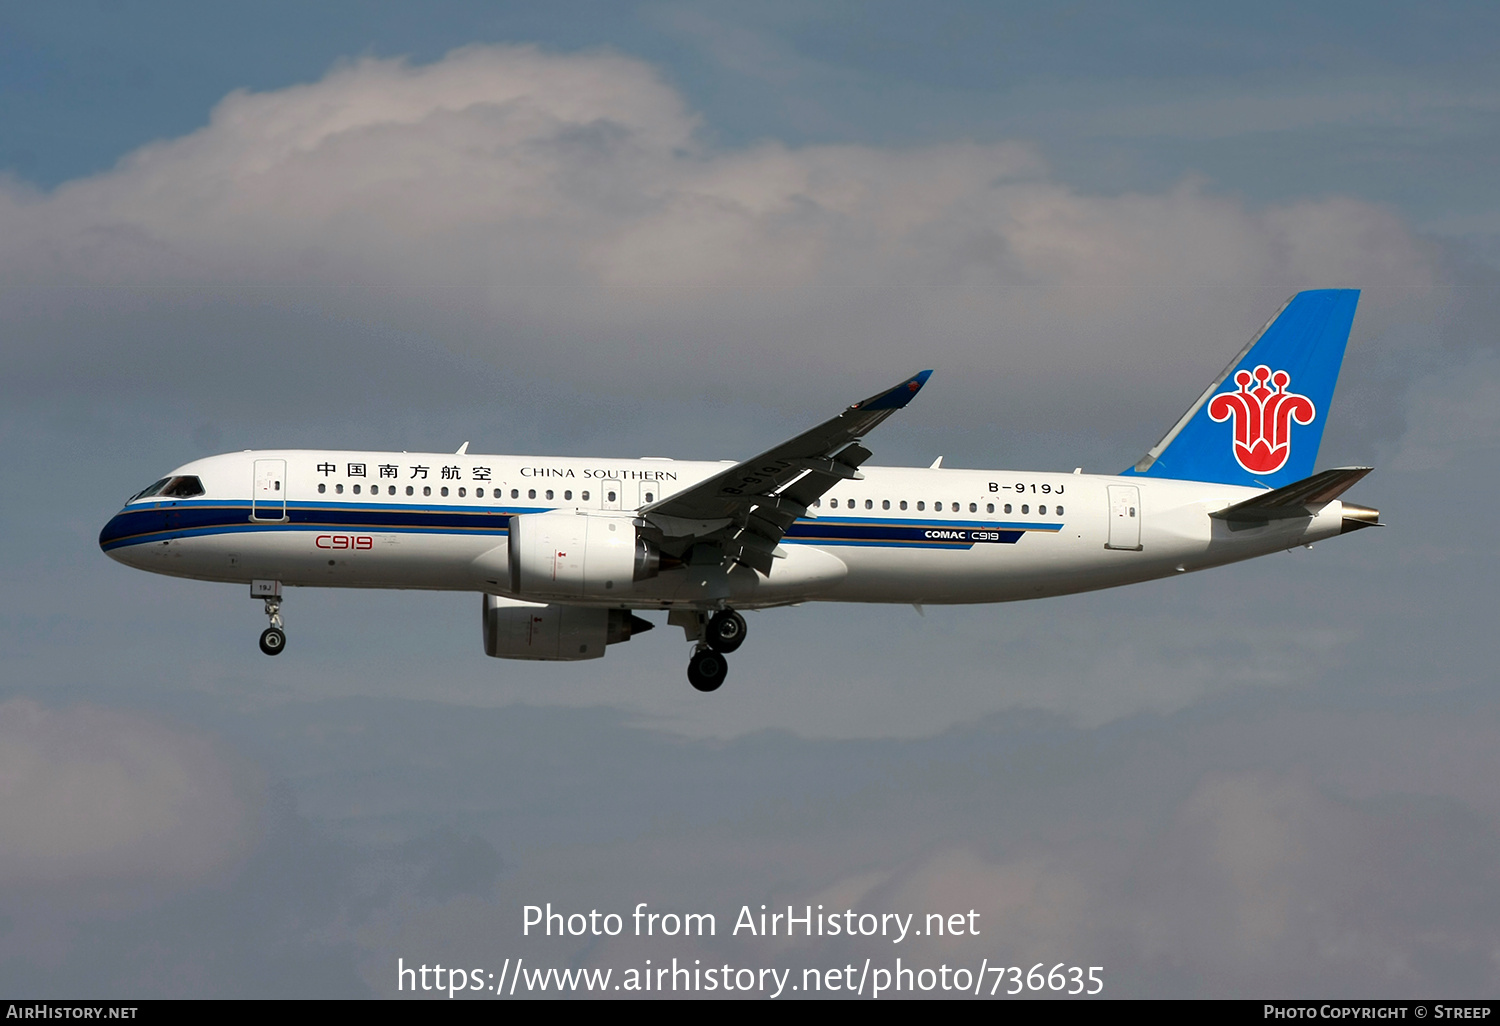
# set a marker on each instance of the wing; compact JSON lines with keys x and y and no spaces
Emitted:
{"x":742,"y":513}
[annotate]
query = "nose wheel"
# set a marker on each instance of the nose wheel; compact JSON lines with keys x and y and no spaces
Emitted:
{"x":273,"y":638}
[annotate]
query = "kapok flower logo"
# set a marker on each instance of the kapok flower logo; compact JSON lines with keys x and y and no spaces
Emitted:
{"x":1263,"y":417}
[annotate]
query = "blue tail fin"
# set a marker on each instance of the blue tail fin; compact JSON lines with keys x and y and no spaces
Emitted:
{"x":1261,"y":420}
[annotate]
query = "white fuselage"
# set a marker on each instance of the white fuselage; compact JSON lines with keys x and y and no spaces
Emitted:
{"x":440,"y":521}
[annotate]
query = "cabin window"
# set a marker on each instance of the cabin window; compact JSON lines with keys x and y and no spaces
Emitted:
{"x":322,"y":488}
{"x":390,"y":489}
{"x":885,"y":503}
{"x":610,"y":497}
{"x":462,"y":492}
{"x":973,"y":507}
{"x":356,"y":489}
{"x":1058,"y":511}
{"x":921,"y":505}
{"x":410,"y":490}
{"x":903,"y":503}
{"x":1042,"y":510}
{"x":427,"y":489}
{"x":1025,"y":508}
{"x":479,"y":493}
{"x":515,"y":493}
{"x":584,"y":496}
{"x":549,"y":494}
{"x":531,"y":493}
{"x":869,"y":504}
{"x":833,"y":504}
{"x":1007,"y":507}
{"x":568,"y":496}
{"x":989,"y":507}
{"x":339,"y":489}
{"x":650,"y":496}
{"x":445,"y":491}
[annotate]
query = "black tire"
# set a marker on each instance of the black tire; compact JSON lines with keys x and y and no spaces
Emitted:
{"x":707,"y":670}
{"x":272,"y":640}
{"x":726,"y":631}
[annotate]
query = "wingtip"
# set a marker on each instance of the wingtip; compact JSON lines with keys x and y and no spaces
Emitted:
{"x":907,"y":392}
{"x":896,"y":398}
{"x":914,"y":385}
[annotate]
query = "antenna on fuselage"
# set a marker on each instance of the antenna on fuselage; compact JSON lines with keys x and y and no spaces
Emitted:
{"x":463,"y":450}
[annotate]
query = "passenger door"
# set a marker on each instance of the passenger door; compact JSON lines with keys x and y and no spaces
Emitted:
{"x":268,"y":495}
{"x":1124,"y":518}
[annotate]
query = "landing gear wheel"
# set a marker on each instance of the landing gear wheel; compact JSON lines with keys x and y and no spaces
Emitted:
{"x":726,"y":631}
{"x":707,"y":669}
{"x":272,"y":640}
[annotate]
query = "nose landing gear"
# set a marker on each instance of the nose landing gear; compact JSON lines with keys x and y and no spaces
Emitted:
{"x":273,"y":638}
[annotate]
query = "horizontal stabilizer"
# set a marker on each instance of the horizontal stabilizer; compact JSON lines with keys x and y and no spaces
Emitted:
{"x":1294,"y":500}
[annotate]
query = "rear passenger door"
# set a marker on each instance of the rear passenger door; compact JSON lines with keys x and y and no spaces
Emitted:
{"x":1124,"y":518}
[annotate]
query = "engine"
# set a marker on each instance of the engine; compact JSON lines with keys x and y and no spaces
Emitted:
{"x":531,"y":630}
{"x":568,"y":555}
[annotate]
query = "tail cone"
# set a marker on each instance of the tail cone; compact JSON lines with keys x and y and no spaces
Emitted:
{"x":1359,"y":517}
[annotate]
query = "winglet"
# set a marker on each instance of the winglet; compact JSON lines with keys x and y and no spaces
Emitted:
{"x":896,"y":398}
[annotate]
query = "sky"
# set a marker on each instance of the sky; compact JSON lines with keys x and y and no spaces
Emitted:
{"x":694,"y":230}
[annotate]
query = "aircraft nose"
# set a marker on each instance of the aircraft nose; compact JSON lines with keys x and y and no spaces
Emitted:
{"x":113,"y":533}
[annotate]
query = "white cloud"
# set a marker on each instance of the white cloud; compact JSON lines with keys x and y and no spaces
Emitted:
{"x":562,"y":215}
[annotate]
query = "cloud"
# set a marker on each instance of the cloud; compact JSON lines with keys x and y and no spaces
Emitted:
{"x":564,"y":217}
{"x":88,"y":794}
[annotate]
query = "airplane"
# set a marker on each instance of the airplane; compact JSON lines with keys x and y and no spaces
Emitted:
{"x":566,"y":551}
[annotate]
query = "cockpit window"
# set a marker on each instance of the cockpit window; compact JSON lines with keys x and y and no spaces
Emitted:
{"x":181,"y":487}
{"x":153,"y":490}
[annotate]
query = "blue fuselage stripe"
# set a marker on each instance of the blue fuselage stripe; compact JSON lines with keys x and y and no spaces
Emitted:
{"x":170,"y":520}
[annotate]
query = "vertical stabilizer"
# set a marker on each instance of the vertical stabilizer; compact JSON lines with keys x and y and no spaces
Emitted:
{"x":1260,"y":422}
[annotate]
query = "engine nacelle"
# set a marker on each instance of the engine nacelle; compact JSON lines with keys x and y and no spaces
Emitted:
{"x":531,"y":630}
{"x":563,"y":554}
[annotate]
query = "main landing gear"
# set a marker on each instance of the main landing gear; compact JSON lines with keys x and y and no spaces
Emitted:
{"x":273,"y":638}
{"x":726,"y":631}
{"x":707,"y":669}
{"x":717,"y":636}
